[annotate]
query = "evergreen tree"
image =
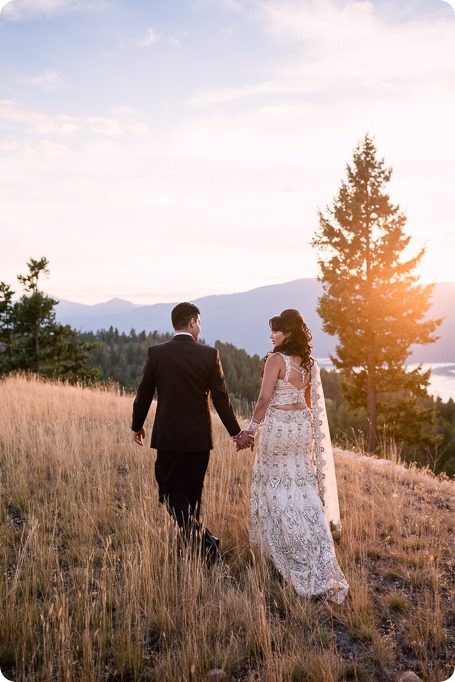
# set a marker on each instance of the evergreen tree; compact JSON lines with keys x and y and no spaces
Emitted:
{"x":32,"y":340}
{"x":372,"y":299}
{"x":242,"y":373}
{"x":6,"y":326}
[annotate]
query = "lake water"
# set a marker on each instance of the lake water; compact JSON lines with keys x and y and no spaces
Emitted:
{"x":442,"y":380}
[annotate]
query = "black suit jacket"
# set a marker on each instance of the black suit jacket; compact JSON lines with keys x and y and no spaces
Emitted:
{"x":184,"y":373}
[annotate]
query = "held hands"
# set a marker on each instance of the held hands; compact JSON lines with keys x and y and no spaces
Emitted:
{"x":244,"y":440}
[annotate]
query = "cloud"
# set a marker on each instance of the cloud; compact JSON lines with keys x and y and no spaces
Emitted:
{"x":48,"y":80}
{"x":41,"y":153}
{"x":122,"y":121}
{"x":347,"y":49}
{"x":36,"y":122}
{"x":104,"y":126}
{"x":175,"y":41}
{"x":8,"y":145}
{"x":224,"y":95}
{"x":151,"y":38}
{"x":3,"y":3}
{"x":21,"y":9}
{"x":135,"y":127}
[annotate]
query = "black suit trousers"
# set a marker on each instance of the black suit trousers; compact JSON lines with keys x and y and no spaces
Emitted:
{"x":180,"y":477}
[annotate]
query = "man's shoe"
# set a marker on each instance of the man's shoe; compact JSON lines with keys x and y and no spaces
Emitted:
{"x":210,"y":549}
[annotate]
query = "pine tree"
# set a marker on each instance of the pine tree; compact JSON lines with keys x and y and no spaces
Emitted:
{"x":372,"y":299}
{"x":32,"y":339}
{"x":6,"y":326}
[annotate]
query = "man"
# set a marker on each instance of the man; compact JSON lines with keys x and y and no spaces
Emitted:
{"x":185,"y":375}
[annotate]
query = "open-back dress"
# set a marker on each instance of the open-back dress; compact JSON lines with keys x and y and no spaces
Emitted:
{"x":294,"y":498}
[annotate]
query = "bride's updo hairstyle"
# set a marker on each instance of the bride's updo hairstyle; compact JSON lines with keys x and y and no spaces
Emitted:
{"x":299,"y":340}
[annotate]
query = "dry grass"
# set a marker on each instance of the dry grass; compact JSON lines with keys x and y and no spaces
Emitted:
{"x":92,"y":587}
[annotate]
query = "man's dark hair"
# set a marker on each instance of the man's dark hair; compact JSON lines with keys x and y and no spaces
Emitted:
{"x":183,"y":313}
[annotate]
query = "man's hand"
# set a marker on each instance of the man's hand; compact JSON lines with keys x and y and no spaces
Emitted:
{"x":244,"y":440}
{"x":138,"y":436}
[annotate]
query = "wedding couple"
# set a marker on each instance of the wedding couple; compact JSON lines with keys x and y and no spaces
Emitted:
{"x":294,"y":496}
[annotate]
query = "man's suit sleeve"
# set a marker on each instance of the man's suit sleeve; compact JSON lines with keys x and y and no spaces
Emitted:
{"x":221,"y":400}
{"x":144,"y":395}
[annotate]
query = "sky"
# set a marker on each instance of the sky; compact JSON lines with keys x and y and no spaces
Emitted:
{"x":164,"y":150}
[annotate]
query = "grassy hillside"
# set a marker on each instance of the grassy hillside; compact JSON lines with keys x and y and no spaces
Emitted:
{"x":92,"y":589}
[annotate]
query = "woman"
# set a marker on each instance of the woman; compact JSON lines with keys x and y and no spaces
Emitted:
{"x":294,"y":496}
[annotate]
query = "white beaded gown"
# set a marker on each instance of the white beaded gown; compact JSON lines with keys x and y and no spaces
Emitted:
{"x":294,"y":497}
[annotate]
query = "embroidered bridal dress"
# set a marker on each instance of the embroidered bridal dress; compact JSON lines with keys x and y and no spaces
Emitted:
{"x":294,"y":496}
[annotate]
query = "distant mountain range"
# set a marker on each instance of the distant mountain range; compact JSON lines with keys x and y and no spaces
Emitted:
{"x":242,"y":319}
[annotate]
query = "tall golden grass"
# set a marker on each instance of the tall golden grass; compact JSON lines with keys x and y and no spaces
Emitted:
{"x":93,"y":586}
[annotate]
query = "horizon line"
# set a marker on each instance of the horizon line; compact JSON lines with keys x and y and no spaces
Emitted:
{"x":198,"y":298}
